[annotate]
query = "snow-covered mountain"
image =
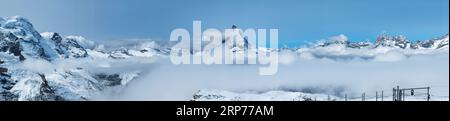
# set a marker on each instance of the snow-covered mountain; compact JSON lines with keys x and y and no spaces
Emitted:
{"x":340,"y":48}
{"x":30,"y":69}
{"x":385,"y":40}
{"x":437,"y":43}
{"x":20,"y":38}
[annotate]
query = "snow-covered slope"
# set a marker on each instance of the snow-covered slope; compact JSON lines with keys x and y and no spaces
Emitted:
{"x":438,"y":43}
{"x":20,"y":38}
{"x":223,"y":95}
{"x":279,"y":95}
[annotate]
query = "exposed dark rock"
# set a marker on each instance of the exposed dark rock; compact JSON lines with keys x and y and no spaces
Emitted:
{"x":109,"y":80}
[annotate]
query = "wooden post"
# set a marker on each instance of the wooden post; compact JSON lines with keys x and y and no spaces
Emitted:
{"x":382,"y":95}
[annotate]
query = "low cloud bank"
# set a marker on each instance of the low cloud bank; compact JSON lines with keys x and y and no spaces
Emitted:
{"x":166,"y":81}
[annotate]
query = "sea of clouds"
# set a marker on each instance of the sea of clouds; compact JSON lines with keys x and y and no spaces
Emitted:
{"x":165,"y":81}
{"x":334,"y":70}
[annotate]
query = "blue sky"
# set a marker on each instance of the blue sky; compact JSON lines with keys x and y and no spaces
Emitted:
{"x":298,"y":21}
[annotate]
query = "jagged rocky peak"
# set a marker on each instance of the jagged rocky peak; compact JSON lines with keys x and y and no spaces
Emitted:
{"x":399,"y":41}
{"x":342,"y":40}
{"x":52,"y":36}
{"x":73,"y":48}
{"x":20,"y":27}
{"x":10,"y":43}
{"x":423,"y":44}
{"x":18,"y":39}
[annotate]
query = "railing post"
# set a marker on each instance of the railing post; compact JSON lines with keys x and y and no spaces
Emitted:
{"x":428,"y":94}
{"x":393,"y":94}
{"x":382,"y":95}
{"x":345,"y":96}
{"x":376,"y":96}
{"x":363,"y":96}
{"x":399,"y":96}
{"x":404,"y":95}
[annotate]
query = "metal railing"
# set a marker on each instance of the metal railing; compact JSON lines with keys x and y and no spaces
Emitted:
{"x":398,"y":94}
